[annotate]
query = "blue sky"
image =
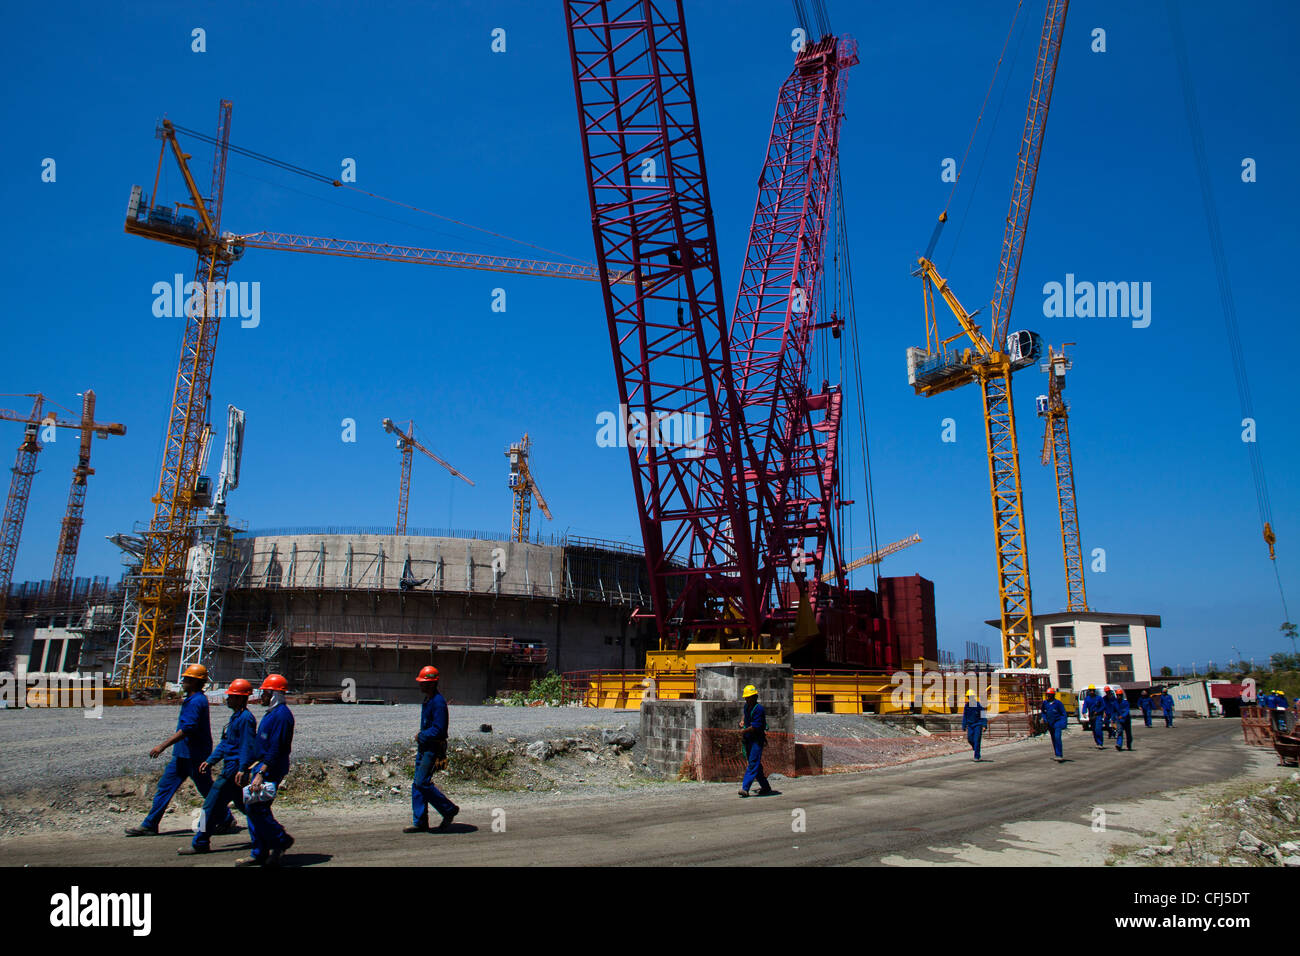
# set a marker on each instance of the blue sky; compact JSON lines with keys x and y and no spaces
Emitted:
{"x":433,"y":117}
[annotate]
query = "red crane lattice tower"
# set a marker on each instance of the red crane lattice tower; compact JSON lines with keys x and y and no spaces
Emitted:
{"x":653,"y":225}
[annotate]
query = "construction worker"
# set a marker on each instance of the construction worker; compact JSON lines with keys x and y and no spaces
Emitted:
{"x":1108,"y":695}
{"x":1167,"y":707}
{"x":265,"y":761}
{"x":1123,"y":718}
{"x":431,"y":743}
{"x":1145,"y":703}
{"x":1094,"y":708}
{"x":753,"y":736}
{"x":973,"y":722}
{"x":235,"y":737}
{"x":191,"y":745}
{"x":1056,"y":721}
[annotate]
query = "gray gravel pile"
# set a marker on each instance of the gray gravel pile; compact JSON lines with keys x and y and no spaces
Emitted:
{"x":43,"y":747}
{"x":852,"y":726}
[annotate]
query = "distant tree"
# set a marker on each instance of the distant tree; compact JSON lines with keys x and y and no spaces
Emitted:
{"x":1289,"y":631}
{"x":1166,"y":672}
{"x":1285,"y":662}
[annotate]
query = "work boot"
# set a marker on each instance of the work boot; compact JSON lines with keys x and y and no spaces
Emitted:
{"x":140,"y":831}
{"x":249,"y":861}
{"x":278,"y":853}
{"x":416,"y":828}
{"x":445,"y":822}
{"x":227,"y":828}
{"x":191,"y":850}
{"x":743,"y":793}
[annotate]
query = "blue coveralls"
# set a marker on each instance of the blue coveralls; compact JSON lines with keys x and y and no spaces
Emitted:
{"x":241,"y":726}
{"x":754,"y":737}
{"x":1057,"y":721}
{"x":267,"y":751}
{"x":1145,"y":704}
{"x":432,"y":744}
{"x":187,"y":753}
{"x":973,"y":723}
{"x":1095,"y":707}
{"x":1123,"y":715}
{"x":1167,"y":705}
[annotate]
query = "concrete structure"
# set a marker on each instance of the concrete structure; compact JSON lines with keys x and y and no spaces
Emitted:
{"x":1092,"y":647}
{"x":702,"y":735}
{"x":360,"y":611}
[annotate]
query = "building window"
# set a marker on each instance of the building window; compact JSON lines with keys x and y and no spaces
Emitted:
{"x":1064,"y":675}
{"x":1119,"y":668}
{"x":72,"y":655}
{"x":36,"y":661}
{"x":1115,"y":635}
{"x":824,"y":704}
{"x":1062,"y":636}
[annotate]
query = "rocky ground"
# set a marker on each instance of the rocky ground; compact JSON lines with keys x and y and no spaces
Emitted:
{"x":62,"y":772}
{"x":1246,"y":823}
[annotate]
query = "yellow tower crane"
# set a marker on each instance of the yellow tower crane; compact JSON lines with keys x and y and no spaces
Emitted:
{"x":990,"y":360}
{"x":406,"y":444}
{"x":525,"y":489}
{"x":875,"y":557}
{"x":1056,"y":449}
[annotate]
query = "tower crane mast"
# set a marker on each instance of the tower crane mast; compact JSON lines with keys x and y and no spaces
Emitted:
{"x":20,"y":490}
{"x":524,"y":488}
{"x":1055,"y":413}
{"x":407,"y":444}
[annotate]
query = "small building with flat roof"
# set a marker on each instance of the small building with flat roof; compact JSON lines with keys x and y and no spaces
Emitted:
{"x":1093,"y":647}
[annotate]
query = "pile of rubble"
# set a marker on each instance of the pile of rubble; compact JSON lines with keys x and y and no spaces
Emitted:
{"x":1260,"y":827}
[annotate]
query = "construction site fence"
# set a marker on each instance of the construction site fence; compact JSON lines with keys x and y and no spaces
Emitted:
{"x":1257,"y":724}
{"x":719,"y":754}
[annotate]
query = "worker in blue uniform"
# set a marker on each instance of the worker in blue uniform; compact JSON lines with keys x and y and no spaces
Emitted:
{"x":753,"y":736}
{"x":431,"y":755}
{"x":1056,"y":721}
{"x":1108,"y":716}
{"x":1122,"y":715}
{"x":190,"y":745}
{"x":265,"y":761}
{"x":1277,"y":704}
{"x":1167,"y":708}
{"x":1144,"y":702}
{"x":973,"y":722}
{"x":241,"y":726}
{"x":1094,"y":708}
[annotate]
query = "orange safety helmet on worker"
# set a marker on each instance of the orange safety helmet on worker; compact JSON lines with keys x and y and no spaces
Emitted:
{"x":236,"y":740}
{"x":431,"y":756}
{"x":190,"y":745}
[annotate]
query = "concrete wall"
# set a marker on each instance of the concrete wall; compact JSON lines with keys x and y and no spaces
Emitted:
{"x":444,"y":564}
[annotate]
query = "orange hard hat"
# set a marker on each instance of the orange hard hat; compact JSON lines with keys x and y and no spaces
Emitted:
{"x":197,"y":671}
{"x":239,"y":688}
{"x":428,"y":674}
{"x":1051,"y":691}
{"x":275,"y":682}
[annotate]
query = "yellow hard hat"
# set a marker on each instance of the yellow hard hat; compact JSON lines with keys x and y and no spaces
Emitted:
{"x":1092,"y":687}
{"x":970,"y":693}
{"x":749,"y":691}
{"x":197,"y":671}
